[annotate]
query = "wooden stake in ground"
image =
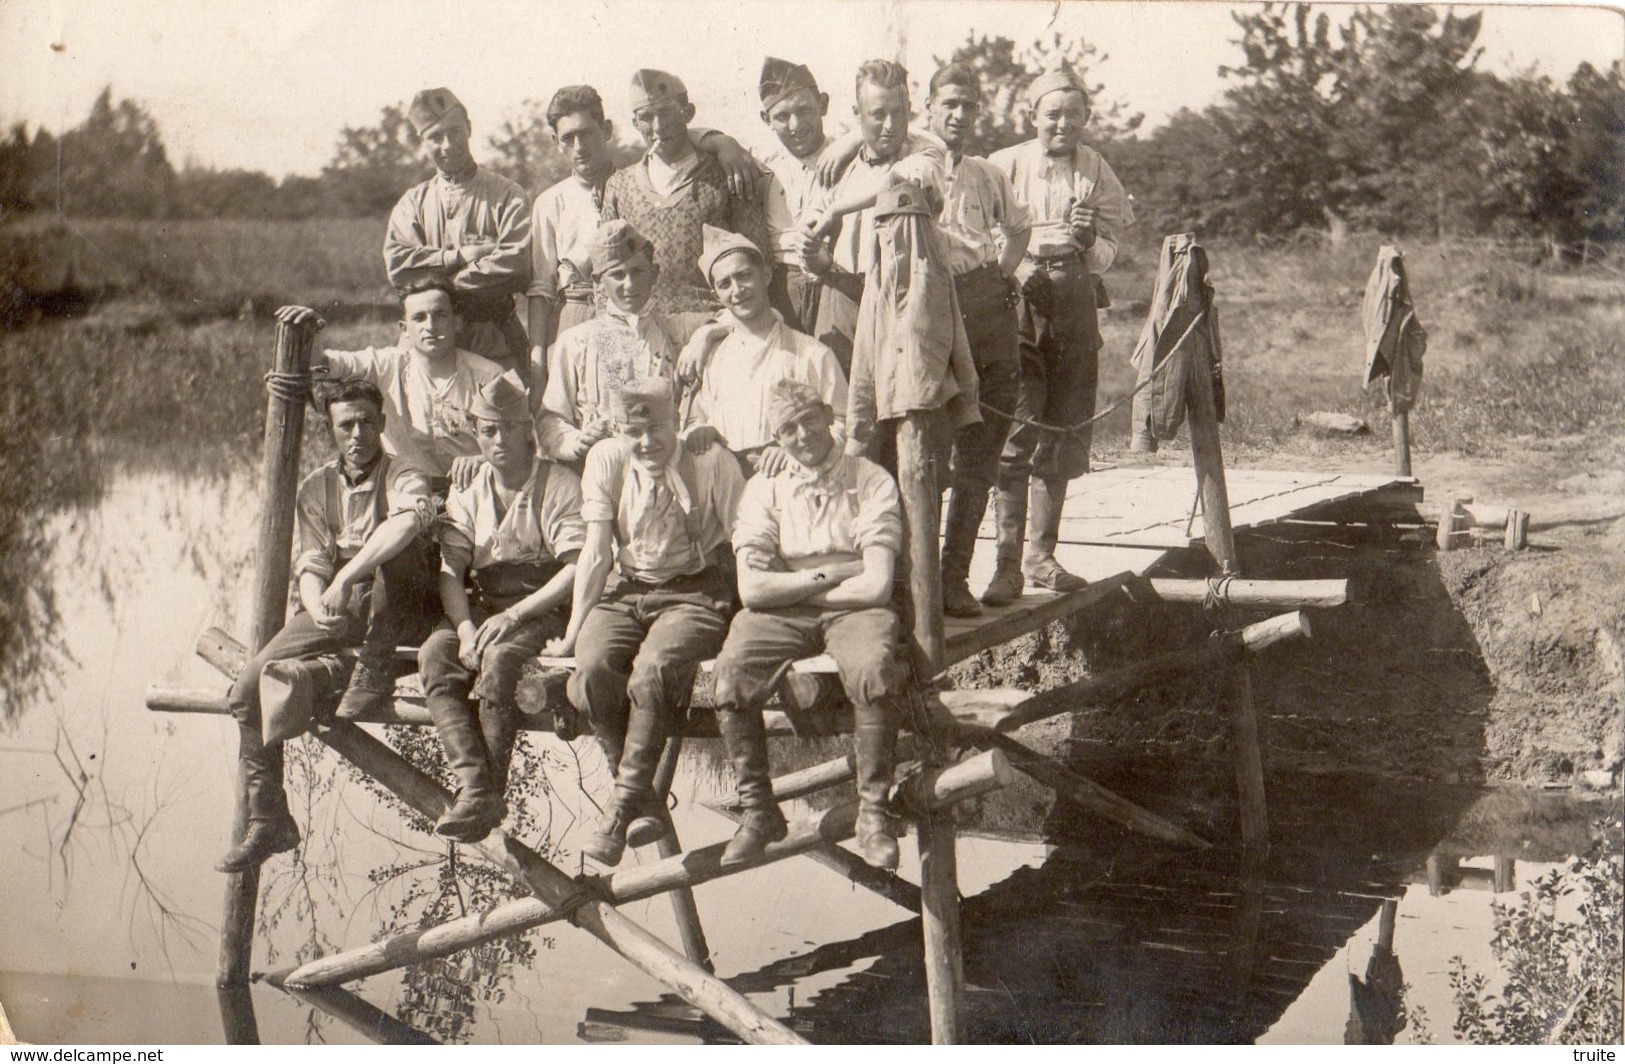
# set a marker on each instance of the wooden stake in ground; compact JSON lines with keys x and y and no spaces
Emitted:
{"x":284,"y":423}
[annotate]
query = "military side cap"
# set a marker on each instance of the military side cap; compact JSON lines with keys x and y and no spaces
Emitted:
{"x":648,"y":397}
{"x":782,"y":79}
{"x":902,"y":197}
{"x":616,"y":242}
{"x":1060,"y":75}
{"x":719,"y":242}
{"x":500,"y":399}
{"x":431,"y":107}
{"x":788,"y":399}
{"x":651,"y":88}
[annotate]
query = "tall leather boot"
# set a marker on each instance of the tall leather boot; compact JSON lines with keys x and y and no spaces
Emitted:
{"x":745,"y":737}
{"x":876,"y":748}
{"x":479,"y":809}
{"x":1010,"y":505}
{"x":271,"y":828}
{"x":958,"y":542}
{"x":499,"y":724}
{"x":1048,"y":496}
{"x":631,"y":818}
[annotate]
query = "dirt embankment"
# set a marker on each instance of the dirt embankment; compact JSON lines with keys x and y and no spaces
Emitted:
{"x":1474,"y":665}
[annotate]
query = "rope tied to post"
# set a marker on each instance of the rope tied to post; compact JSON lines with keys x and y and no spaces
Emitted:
{"x":294,"y":388}
{"x":1141,"y":385}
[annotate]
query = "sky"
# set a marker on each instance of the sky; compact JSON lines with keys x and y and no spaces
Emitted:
{"x":268,"y":86}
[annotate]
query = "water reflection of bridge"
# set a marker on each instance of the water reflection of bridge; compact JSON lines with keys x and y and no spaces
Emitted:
{"x":1111,"y":940}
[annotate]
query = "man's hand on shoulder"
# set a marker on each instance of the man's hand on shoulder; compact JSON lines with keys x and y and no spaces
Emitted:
{"x":702,"y":438}
{"x":464,"y":470}
{"x":772,"y":461}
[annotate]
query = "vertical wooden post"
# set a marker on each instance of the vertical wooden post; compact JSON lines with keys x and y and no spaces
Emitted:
{"x":916,"y":478}
{"x":1402,"y":442}
{"x":939,"y":916}
{"x":1209,"y":461}
{"x":1255,"y":823}
{"x":237,"y":1020}
{"x":284,"y":424}
{"x":683,"y":907}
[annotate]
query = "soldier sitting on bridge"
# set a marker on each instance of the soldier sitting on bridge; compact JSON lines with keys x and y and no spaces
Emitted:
{"x":661,"y":517}
{"x":338,"y":507}
{"x":817,"y":544}
{"x":428,"y":385}
{"x":508,"y":549}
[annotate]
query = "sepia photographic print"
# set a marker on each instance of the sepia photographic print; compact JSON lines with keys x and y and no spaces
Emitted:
{"x":811,"y":522}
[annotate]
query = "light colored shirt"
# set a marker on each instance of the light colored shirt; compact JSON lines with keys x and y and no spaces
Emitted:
{"x":666,"y":525}
{"x":540,"y":523}
{"x":587,"y":367}
{"x":980,"y":211}
{"x":426,"y":421}
{"x":807,"y":516}
{"x":562,"y":225}
{"x":923,"y":160}
{"x":1049,"y":186}
{"x":733,"y":392}
{"x":439,"y":216}
{"x":789,"y":187}
{"x":335,"y":515}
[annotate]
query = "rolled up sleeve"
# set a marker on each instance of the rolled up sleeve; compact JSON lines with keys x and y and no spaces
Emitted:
{"x":756,"y":523}
{"x":879,"y":520}
{"x":457,"y":536}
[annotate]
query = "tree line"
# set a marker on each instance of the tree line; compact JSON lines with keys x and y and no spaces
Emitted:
{"x":1376,"y":119}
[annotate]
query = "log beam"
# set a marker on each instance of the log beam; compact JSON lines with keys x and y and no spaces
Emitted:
{"x":977,"y":776}
{"x":1272,"y":594}
{"x":599,"y":918}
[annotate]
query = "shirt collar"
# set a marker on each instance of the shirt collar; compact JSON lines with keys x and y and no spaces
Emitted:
{"x":822,"y":474}
{"x":366,"y":474}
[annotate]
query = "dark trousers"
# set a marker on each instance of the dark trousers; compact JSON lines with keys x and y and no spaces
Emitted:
{"x":261,"y":762}
{"x":1060,"y":361}
{"x":991,"y":326}
{"x":637,"y":655}
{"x":502,"y":663}
{"x":795,"y":295}
{"x":405,"y":604}
{"x":761,"y":642}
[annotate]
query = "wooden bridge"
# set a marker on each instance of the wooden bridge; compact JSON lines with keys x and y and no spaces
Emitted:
{"x":1119,"y":524}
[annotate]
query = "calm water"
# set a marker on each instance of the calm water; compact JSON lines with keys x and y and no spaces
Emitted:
{"x":111,"y":817}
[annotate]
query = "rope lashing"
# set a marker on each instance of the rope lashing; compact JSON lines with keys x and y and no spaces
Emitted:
{"x":1075,"y":429}
{"x":1216,"y":598}
{"x":295,"y":388}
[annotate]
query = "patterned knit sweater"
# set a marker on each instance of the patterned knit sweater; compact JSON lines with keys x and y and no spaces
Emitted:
{"x":674,"y":223}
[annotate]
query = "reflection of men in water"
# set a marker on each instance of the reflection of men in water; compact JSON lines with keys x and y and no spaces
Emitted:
{"x":508,"y":549}
{"x":817,"y":545}
{"x":428,"y":387}
{"x":338,"y":507}
{"x":661,"y":517}
{"x":466,"y":226}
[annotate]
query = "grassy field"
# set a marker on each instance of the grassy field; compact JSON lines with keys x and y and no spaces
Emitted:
{"x":158,"y":332}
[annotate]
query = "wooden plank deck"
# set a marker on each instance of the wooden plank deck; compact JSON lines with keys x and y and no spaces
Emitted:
{"x":1149,"y":506}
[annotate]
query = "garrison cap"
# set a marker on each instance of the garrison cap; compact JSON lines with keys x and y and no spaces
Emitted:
{"x":788,"y":399}
{"x":782,"y":79}
{"x":719,"y":242}
{"x":1060,"y":75}
{"x":649,"y":397}
{"x":431,"y":107}
{"x":616,"y":242}
{"x":651,"y":88}
{"x":500,"y":399}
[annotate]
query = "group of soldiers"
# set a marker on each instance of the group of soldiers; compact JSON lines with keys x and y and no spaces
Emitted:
{"x":669,"y":458}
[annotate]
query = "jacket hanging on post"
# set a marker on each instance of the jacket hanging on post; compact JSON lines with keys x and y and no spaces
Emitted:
{"x":909,"y":350}
{"x":1183,"y":298}
{"x":1395,"y":339}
